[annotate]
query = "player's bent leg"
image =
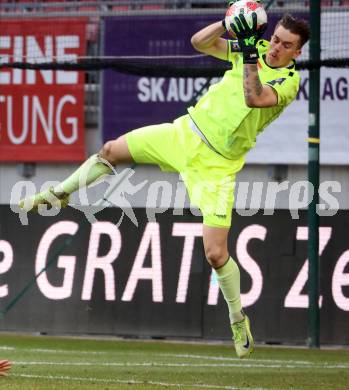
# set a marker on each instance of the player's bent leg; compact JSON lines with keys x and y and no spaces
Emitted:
{"x":228,"y":276}
{"x":116,"y":152}
{"x":216,"y":245}
{"x":95,"y":167}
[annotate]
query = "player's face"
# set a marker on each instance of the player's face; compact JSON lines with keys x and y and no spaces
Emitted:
{"x":283,"y":48}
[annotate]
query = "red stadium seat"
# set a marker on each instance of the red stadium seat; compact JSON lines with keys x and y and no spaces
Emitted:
{"x":88,"y":9}
{"x":120,"y":8}
{"x":151,"y":7}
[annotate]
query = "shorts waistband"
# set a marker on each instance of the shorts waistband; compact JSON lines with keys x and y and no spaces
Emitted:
{"x":196,"y":130}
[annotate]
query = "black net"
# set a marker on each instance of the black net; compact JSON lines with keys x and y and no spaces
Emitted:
{"x":159,"y":56}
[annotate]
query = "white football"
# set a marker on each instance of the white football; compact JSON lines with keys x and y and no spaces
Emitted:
{"x":246,"y":7}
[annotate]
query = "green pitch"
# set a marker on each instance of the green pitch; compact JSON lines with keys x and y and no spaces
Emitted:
{"x":62,"y":363}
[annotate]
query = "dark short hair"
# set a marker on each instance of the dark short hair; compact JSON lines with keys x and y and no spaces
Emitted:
{"x":296,"y":26}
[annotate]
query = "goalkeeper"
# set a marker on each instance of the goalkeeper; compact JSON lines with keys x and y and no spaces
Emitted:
{"x":208,"y":145}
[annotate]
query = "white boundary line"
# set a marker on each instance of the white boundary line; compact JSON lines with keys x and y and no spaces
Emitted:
{"x":242,"y":363}
{"x":223,"y":358}
{"x":251,"y":364}
{"x":283,"y":363}
{"x":49,"y":350}
{"x":133,"y":382}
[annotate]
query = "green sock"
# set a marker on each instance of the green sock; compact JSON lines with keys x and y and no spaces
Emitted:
{"x":228,"y":278}
{"x":91,"y":170}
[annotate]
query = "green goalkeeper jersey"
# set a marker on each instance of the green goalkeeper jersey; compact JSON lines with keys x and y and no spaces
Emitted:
{"x":228,"y":125}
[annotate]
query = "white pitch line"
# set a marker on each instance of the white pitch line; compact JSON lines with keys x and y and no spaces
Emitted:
{"x":132,"y":381}
{"x":47,"y":350}
{"x":6,"y":348}
{"x":232,"y":359}
{"x":251,"y":364}
{"x":242,"y":363}
{"x":187,"y":356}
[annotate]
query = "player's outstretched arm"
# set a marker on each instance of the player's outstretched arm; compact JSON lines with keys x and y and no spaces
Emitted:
{"x":209,"y":41}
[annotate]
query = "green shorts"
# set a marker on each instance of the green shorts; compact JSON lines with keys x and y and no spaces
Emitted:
{"x":208,"y":176}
